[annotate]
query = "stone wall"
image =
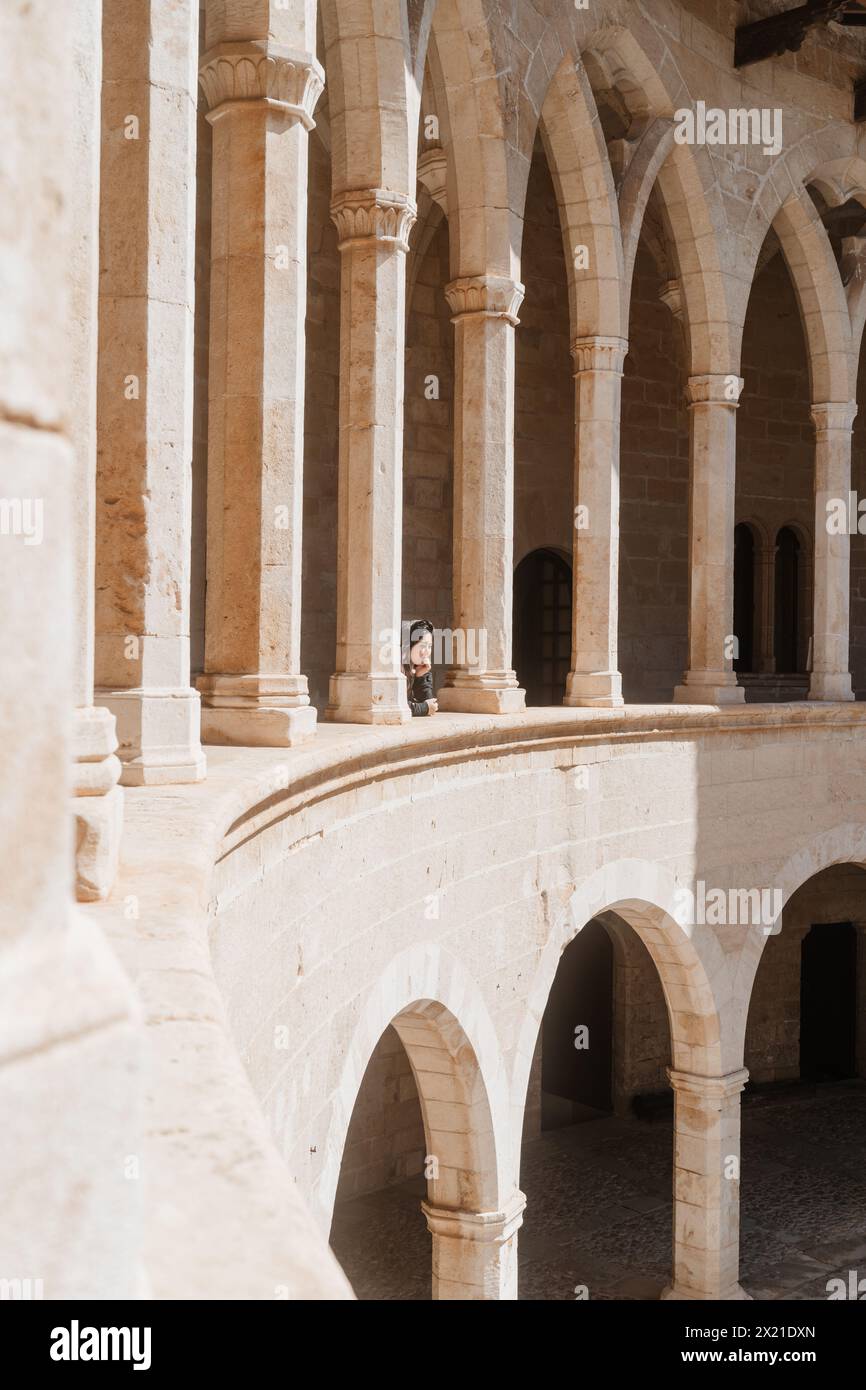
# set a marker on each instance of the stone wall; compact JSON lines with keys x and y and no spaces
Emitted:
{"x":544,"y":384}
{"x":385,"y":1141}
{"x":506,"y":847}
{"x":654,"y":472}
{"x":428,"y":441}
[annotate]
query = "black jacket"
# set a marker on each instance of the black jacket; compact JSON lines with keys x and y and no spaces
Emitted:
{"x":419,"y":689}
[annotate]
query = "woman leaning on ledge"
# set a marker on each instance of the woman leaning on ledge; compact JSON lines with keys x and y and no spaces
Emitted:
{"x":418,"y":670}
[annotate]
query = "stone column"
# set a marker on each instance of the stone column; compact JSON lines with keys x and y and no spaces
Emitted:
{"x":261,"y":96}
{"x":475,"y":1252}
{"x":706,"y":1186}
{"x":710,"y":679}
{"x":480,"y":679}
{"x":831,"y":676}
{"x":373,"y":227}
{"x":594,"y":678}
{"x":97,"y":799}
{"x":145,"y":386}
{"x":69,"y":1054}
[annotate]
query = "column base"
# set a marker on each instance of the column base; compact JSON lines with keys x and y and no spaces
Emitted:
{"x":599,"y":689}
{"x":256,"y":711}
{"x":365,"y":699}
{"x":97,"y":803}
{"x":98,"y":831}
{"x":258,"y":726}
{"x":158,"y":733}
{"x":493,"y":692}
{"x":832,"y":685}
{"x":709,"y":688}
{"x":735,"y":1293}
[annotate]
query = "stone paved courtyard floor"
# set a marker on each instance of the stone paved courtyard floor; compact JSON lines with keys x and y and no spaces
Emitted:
{"x":599,"y":1207}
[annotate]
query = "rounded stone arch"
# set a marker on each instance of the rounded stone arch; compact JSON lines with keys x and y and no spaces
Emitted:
{"x":821,"y":298}
{"x":760,"y":529}
{"x":842,"y":181}
{"x":438,"y":1012}
{"x":690,"y":963}
{"x":430,"y":217}
{"x":486,"y":175}
{"x":805,"y":538}
{"x":813,"y":160}
{"x":801,"y":531}
{"x":844,"y":844}
{"x":748,"y":548}
{"x":374,"y":58}
{"x":576,"y":153}
{"x":637,"y":62}
{"x":561,"y":554}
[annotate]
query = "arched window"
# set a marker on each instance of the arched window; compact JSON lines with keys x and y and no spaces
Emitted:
{"x":542,"y":626}
{"x":787,"y":601}
{"x":744,"y":597}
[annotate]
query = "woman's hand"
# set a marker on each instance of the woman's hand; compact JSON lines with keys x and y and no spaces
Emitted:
{"x":432,"y":705}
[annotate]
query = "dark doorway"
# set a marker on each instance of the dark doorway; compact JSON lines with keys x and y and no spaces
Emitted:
{"x":787,"y":601}
{"x":577,"y":1030}
{"x":542,"y":626}
{"x":744,"y":596}
{"x":828,"y":1002}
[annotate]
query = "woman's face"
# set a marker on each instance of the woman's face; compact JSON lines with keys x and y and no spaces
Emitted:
{"x":420,"y":651}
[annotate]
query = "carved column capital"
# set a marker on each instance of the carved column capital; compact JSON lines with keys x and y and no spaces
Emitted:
{"x":598,"y":354}
{"x":710,"y":1089}
{"x":715,"y":388}
{"x":833,"y":415}
{"x":364,"y":214}
{"x":496,"y":296}
{"x":487,"y":1227}
{"x":257,"y":72}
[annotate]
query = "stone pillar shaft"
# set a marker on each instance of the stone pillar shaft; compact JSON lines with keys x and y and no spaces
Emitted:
{"x":97,"y":799}
{"x":261,"y":97}
{"x":594,"y":678}
{"x":69,"y":1042}
{"x":706,"y":1186}
{"x":480,"y":680}
{"x":368,"y":686}
{"x":475,"y":1253}
{"x":710,"y":679}
{"x":145,"y":388}
{"x":831,"y":676}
